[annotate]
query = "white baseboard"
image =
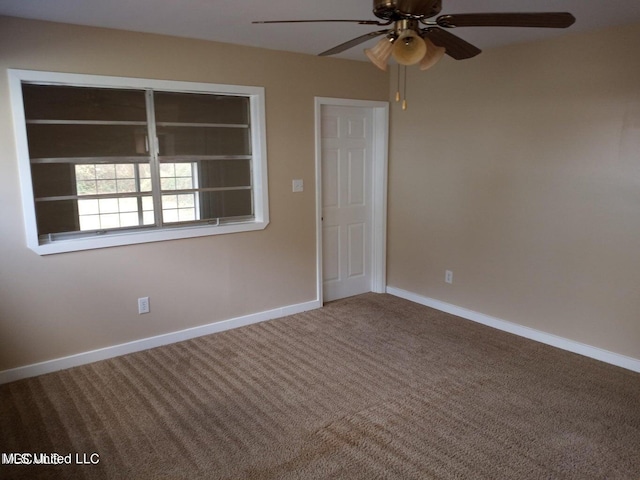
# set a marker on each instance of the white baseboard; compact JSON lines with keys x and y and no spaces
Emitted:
{"x":565,"y":344}
{"x":54,"y":365}
{"x":49,"y":366}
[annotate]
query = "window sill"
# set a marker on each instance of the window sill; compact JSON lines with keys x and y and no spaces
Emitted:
{"x":132,"y":238}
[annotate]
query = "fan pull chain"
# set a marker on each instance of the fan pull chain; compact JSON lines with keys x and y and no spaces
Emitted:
{"x":402,"y":73}
{"x":404,"y":100}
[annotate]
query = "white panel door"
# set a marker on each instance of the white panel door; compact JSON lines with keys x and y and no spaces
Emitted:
{"x":347,"y":165}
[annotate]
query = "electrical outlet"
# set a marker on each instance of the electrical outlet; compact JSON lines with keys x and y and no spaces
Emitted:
{"x":448,"y":276}
{"x":143,"y":305}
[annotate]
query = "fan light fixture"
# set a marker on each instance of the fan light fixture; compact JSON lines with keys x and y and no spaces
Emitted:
{"x":409,"y":48}
{"x":433,"y":55}
{"x":380,"y":53}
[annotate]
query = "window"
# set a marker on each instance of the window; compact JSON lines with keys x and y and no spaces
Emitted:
{"x":108,"y":161}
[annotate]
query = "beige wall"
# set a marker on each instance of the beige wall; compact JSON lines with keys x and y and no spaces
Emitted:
{"x":520,"y":171}
{"x":64,"y":304}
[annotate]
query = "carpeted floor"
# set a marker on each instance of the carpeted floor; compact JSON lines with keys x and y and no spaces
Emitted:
{"x":370,"y":387}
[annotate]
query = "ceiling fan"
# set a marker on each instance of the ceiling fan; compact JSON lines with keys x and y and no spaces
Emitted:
{"x":412,"y":37}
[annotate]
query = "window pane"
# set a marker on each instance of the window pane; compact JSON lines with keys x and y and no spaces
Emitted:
{"x":168,"y":183}
{"x":224,"y":173}
{"x":108,"y":205}
{"x":203,"y":141}
{"x":148,"y":219}
{"x":167,"y":170}
{"x":147,"y":204}
{"x":111,"y":220}
{"x":85,"y":172}
{"x":234,"y":203}
{"x":144,"y":170}
{"x":184,"y":183}
{"x":170,"y":215}
{"x":147,"y":211}
{"x":186,"y":200}
{"x":129,"y":204}
{"x":124,"y":170}
{"x":169,"y":201}
{"x":90,"y":222}
{"x":87,"y":188}
{"x":145,"y":185}
{"x":176,"y":176}
{"x":129,"y":219}
{"x":55,"y":102}
{"x":107,"y":171}
{"x":179,"y":208}
{"x":126,"y":186}
{"x":61,"y":141}
{"x":186,"y":214}
{"x":57,"y":217}
{"x":106,"y":186}
{"x":201,"y":108}
{"x":53,"y":179}
{"x":88,"y":207}
{"x":184,"y":169}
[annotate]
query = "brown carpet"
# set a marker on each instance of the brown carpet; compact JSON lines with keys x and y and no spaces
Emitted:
{"x":371,"y":387}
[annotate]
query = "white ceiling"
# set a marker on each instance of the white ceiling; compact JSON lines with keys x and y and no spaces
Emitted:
{"x":230,"y":20}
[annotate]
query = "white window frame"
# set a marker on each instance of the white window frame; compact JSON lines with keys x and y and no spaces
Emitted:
{"x":256,"y":97}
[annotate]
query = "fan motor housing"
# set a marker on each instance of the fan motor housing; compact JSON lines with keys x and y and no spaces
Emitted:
{"x":398,"y":9}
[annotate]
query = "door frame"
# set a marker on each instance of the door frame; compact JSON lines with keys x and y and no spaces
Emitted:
{"x":379,"y":188}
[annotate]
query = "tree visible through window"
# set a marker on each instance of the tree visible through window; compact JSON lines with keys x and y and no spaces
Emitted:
{"x":111,"y":178}
{"x":107,"y":213}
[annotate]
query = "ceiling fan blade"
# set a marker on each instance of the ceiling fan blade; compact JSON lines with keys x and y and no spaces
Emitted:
{"x":542,"y":20}
{"x":361,"y":22}
{"x":455,"y":46}
{"x":353,"y":42}
{"x":419,"y":8}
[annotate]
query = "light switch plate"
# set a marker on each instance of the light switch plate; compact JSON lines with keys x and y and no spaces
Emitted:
{"x":143,"y":305}
{"x":297,"y":185}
